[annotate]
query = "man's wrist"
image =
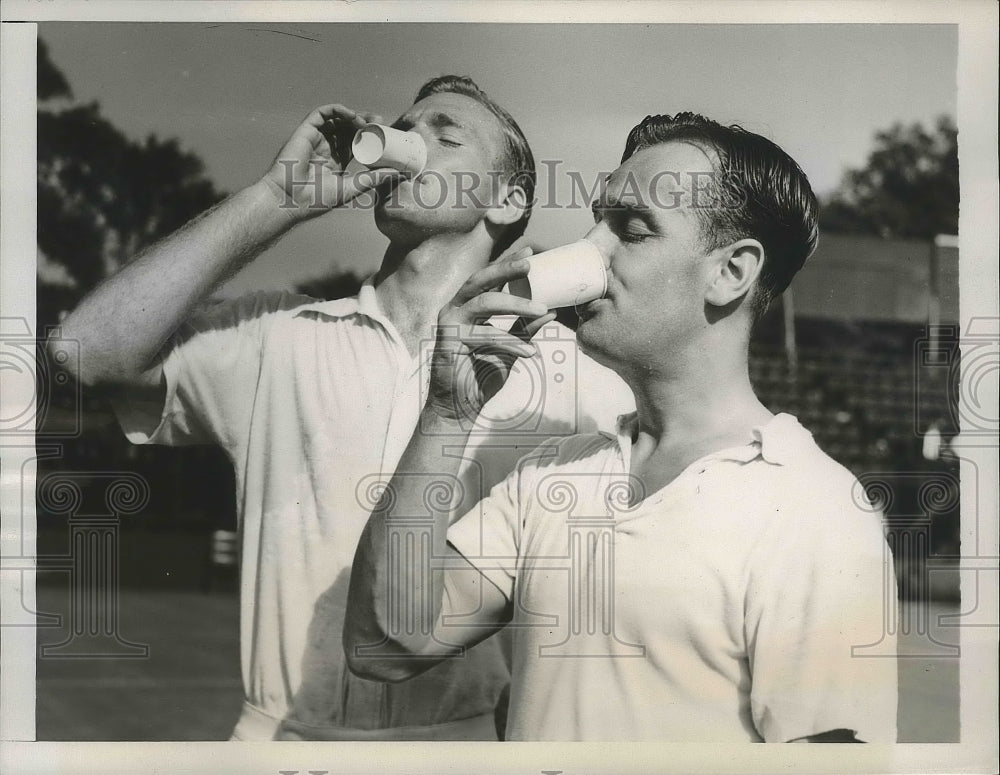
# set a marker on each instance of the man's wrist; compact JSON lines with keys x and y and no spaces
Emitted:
{"x":279,"y":204}
{"x":437,"y":422}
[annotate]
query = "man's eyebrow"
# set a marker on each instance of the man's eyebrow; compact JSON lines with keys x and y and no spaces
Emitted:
{"x":436,"y":120}
{"x":440,"y":120}
{"x":619,"y":206}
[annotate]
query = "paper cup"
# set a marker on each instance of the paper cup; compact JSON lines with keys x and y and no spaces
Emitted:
{"x":564,"y":277}
{"x":382,"y":146}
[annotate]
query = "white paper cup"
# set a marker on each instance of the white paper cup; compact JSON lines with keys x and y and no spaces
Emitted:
{"x":564,"y":277}
{"x":382,"y":146}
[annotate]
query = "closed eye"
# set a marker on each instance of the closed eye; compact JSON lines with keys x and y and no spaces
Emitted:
{"x":628,"y":227}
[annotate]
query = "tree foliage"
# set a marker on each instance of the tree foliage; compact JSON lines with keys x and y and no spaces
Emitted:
{"x":103,"y":197}
{"x":335,"y":285}
{"x":51,"y":82}
{"x":907,"y":189}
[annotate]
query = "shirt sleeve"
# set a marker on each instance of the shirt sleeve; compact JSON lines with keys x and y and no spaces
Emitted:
{"x":211,"y":366}
{"x":489,"y":536}
{"x":818,"y":593}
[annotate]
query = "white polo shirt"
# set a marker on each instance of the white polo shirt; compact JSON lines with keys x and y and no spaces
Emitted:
{"x":312,"y":401}
{"x":722,"y":608}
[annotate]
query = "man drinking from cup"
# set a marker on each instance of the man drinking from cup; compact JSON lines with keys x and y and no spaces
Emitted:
{"x":704,"y":574}
{"x":312,"y":398}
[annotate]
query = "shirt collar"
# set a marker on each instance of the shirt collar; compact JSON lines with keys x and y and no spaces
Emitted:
{"x":782,"y":439}
{"x":365,"y":303}
{"x":779,"y":441}
{"x":368,"y":302}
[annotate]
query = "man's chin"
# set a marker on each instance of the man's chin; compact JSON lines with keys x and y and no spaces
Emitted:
{"x":404,"y":226}
{"x":598,"y":352}
{"x":391,"y":211}
{"x":587,"y":334}
{"x":387,"y":195}
{"x":592,"y":332}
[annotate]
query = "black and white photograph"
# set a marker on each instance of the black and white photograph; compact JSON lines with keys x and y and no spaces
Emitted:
{"x":397,"y":379}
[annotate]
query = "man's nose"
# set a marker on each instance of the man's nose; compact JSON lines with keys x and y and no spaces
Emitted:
{"x":601,"y":236}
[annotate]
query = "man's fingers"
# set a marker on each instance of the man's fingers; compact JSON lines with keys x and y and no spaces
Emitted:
{"x":491,"y":303}
{"x":486,"y":340}
{"x":525,"y":329}
{"x":372,"y":118}
{"x":494,"y":276}
{"x":336,"y":124}
{"x":517,"y":250}
{"x":332,"y":112}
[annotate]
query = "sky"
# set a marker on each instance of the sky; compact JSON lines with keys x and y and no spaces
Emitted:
{"x":232,"y":93}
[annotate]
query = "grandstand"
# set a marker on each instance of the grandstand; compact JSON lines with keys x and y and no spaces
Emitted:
{"x":863,"y":349}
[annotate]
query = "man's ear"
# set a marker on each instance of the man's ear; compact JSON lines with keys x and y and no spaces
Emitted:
{"x":734,"y":271}
{"x":512,"y":201}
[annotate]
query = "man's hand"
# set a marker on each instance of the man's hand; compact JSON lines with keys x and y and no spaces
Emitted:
{"x":472,"y":359}
{"x":308,"y":175}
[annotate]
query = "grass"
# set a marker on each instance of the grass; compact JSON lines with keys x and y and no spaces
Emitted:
{"x":188,"y":687}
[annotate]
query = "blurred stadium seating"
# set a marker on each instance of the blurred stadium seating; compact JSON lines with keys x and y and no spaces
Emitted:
{"x":869,"y":393}
{"x":865,"y":391}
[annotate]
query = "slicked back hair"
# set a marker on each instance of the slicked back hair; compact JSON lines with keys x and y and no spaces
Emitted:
{"x":518,"y":161}
{"x":757,"y":190}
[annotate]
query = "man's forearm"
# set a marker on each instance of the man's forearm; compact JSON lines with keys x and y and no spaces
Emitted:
{"x":396,"y":599}
{"x":123,"y":323}
{"x":380,"y":584}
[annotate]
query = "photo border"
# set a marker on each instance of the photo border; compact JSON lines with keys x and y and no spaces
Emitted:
{"x":978,"y":236}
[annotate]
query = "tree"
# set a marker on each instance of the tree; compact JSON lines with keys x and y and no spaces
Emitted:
{"x":335,"y":285}
{"x":103,"y":197}
{"x":51,"y":82}
{"x":907,"y":189}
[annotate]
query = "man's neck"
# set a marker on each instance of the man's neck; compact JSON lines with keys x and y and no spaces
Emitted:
{"x":702,"y":403}
{"x":413,"y":283}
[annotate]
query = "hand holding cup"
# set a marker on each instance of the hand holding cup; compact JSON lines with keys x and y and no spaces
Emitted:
{"x":566,"y":276}
{"x":309,"y":175}
{"x":472,"y":359}
{"x":376,"y":145}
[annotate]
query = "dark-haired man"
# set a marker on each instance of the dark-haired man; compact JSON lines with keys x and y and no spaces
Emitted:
{"x":706,"y":574}
{"x":312,"y":399}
